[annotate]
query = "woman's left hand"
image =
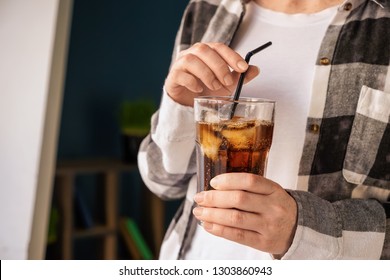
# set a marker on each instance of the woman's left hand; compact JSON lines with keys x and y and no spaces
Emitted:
{"x":248,"y":209}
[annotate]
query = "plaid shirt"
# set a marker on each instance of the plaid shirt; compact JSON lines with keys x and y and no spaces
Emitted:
{"x":344,"y":176}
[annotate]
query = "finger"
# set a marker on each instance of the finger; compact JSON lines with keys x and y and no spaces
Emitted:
{"x":253,"y":71}
{"x":244,"y":181}
{"x":246,"y":237}
{"x":218,"y":65}
{"x":242,"y":200}
{"x":229,"y":217}
{"x":178,"y":78}
{"x":195,"y":66}
{"x":228,"y":223}
{"x":235,"y":61}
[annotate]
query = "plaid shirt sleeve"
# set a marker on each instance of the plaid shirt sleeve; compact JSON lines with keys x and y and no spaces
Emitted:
{"x":344,"y":176}
{"x":345,"y":160}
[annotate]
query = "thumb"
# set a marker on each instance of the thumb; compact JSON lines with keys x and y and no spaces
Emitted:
{"x":252,"y":72}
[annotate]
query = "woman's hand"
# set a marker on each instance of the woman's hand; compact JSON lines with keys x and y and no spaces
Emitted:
{"x":206,"y":69}
{"x":248,"y":209}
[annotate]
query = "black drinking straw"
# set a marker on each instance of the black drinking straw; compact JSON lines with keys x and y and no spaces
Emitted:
{"x":242,"y":76}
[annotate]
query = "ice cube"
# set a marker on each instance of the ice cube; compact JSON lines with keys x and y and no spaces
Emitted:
{"x":240,"y":138}
{"x":211,"y":117}
{"x":210,"y":144}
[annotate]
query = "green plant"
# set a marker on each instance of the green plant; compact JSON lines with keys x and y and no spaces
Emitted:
{"x":134,"y":116}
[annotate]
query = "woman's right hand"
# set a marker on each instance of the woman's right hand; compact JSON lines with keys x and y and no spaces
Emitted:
{"x":206,"y":69}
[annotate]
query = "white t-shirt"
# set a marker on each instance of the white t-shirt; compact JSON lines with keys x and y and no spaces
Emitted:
{"x":286,"y":76}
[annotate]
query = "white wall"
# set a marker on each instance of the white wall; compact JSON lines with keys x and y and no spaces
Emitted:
{"x":33,"y":42}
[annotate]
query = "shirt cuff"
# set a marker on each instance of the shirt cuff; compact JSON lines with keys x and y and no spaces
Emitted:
{"x":175,"y":121}
{"x":174,"y":134}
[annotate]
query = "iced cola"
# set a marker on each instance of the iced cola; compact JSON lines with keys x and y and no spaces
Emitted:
{"x":239,"y":144}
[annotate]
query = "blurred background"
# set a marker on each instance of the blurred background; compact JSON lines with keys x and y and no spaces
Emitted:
{"x":118,"y":50}
{"x":79,"y":81}
{"x":119,"y":53}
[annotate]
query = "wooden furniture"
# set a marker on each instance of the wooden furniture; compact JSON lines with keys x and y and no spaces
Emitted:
{"x":109,"y":171}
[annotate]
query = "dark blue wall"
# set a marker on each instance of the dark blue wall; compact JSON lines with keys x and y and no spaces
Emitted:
{"x":119,"y":50}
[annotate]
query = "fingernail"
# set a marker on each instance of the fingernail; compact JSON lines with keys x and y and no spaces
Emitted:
{"x":214,"y":182}
{"x":197,"y":211}
{"x":228,"y":79}
{"x":242,"y":65}
{"x":216,"y":85}
{"x":199,"y":89}
{"x":199,"y":197}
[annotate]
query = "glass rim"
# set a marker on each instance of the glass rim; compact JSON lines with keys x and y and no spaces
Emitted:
{"x":242,"y":99}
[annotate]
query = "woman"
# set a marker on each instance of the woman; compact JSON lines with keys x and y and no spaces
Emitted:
{"x":328,"y":176}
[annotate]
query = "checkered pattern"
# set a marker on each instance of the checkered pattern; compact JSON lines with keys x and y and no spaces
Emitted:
{"x":344,"y":173}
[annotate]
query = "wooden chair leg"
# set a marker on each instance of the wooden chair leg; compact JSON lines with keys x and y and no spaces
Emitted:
{"x":111,"y":216}
{"x":65,"y":189}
